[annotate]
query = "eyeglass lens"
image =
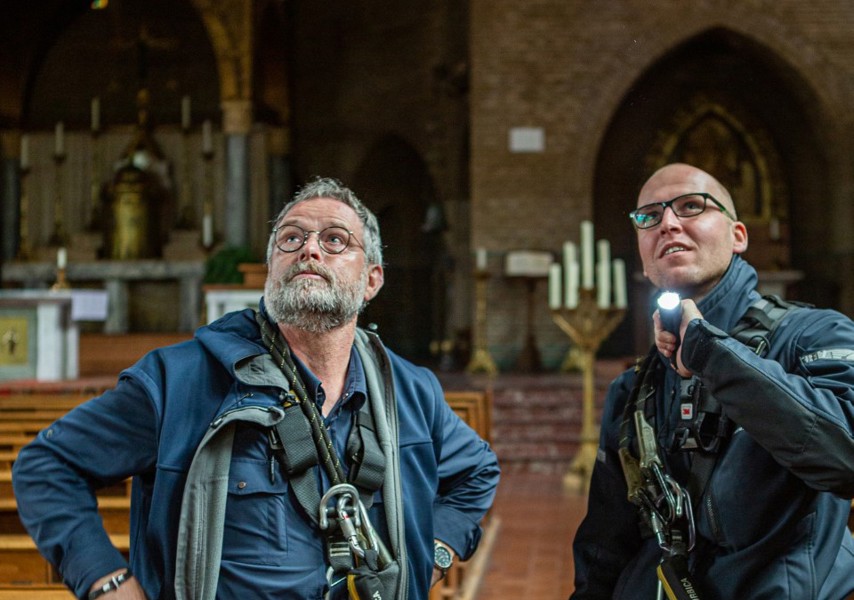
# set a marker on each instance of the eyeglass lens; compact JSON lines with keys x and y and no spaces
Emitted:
{"x":650,"y":215}
{"x":332,"y":240}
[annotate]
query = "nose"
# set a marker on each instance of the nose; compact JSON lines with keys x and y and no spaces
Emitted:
{"x":669,"y":220}
{"x":311,"y":248}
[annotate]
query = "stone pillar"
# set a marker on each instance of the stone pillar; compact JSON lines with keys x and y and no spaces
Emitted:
{"x":237,"y":122}
{"x":10,"y":194}
{"x":281,"y":173}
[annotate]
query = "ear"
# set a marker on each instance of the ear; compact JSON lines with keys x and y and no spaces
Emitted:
{"x":376,"y":278}
{"x":739,"y":234}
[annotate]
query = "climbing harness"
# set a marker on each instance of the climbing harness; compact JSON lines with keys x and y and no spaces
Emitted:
{"x":665,"y":507}
{"x":301,"y":443}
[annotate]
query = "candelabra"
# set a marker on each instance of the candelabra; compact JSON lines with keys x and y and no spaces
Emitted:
{"x":481,"y":361}
{"x":207,"y":204}
{"x":95,"y":185}
{"x":587,"y":325}
{"x":58,"y":237}
{"x":61,"y":281}
{"x":24,"y":251}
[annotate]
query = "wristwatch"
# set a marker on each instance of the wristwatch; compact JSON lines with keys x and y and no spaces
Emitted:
{"x":442,"y":558}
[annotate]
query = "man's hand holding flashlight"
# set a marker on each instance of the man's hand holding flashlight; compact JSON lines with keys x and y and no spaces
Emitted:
{"x":671,"y":319}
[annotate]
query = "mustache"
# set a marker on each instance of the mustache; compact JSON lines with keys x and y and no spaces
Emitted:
{"x":307,"y":267}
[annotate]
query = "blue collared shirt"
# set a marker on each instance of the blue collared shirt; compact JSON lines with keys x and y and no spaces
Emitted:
{"x":269,"y":543}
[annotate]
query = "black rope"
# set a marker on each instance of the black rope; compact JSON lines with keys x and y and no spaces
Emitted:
{"x":281,"y":353}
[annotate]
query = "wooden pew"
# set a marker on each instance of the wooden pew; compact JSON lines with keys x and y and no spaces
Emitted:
{"x":475,"y":408}
{"x":22,"y":565}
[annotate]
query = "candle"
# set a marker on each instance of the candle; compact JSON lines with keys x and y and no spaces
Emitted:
{"x":587,"y":255}
{"x":207,"y":142}
{"x":620,"y":299}
{"x":185,"y":113}
{"x":603,"y":274}
{"x":774,"y":229}
{"x":554,"y":286}
{"x":61,"y":258}
{"x":96,"y":114}
{"x":480,"y":260}
{"x":207,"y":231}
{"x":25,"y":151}
{"x":59,"y":140}
{"x":570,"y":280}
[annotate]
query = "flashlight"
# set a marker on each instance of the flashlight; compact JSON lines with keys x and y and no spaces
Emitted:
{"x":670,"y":311}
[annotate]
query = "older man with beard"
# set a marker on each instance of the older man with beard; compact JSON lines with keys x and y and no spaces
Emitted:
{"x":281,"y":453}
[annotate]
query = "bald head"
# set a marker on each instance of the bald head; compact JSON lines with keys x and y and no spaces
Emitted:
{"x":687,"y":177}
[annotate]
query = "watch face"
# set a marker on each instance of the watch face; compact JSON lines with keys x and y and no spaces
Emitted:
{"x":441,"y":557}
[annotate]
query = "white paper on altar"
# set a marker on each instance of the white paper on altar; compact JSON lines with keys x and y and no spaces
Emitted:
{"x":89,"y":305}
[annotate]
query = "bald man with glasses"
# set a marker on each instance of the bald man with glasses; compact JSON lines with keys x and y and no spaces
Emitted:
{"x":726,"y":460}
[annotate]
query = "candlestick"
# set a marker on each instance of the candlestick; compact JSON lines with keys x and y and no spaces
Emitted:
{"x":61,"y":258}
{"x":96,"y":114}
{"x":185,"y":113}
{"x":481,"y":361}
{"x":570,"y":275}
{"x":587,"y":326}
{"x":620,"y":296}
{"x":25,"y":152}
{"x":207,"y":138}
{"x":603,"y":272}
{"x":24,"y":252}
{"x":554,"y":285}
{"x":207,"y":230}
{"x":59,"y":139}
{"x":587,"y":255}
{"x":480,"y":261}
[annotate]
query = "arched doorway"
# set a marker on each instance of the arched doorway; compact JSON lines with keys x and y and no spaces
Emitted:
{"x":409,"y":311}
{"x":728,"y":104}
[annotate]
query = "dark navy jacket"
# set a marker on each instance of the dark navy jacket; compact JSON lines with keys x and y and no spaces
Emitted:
{"x":149,"y":427}
{"x":773,"y":522}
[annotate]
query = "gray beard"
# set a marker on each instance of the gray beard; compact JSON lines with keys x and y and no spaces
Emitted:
{"x":313,"y":305}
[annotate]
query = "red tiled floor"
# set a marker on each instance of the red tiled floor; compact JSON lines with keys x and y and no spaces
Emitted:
{"x":532,"y":555}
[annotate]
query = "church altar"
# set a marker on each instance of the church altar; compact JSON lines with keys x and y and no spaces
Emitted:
{"x":116,"y":277}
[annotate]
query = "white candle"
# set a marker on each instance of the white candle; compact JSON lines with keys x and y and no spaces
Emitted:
{"x":59,"y":140}
{"x":774,"y":229}
{"x":207,"y":142}
{"x":25,"y":151}
{"x":480,"y":259}
{"x":587,"y":255}
{"x":603,"y":274}
{"x":554,"y":286}
{"x":207,"y":231}
{"x":61,"y":258}
{"x":96,"y":114}
{"x":185,"y":113}
{"x":570,"y":279}
{"x":620,"y":298}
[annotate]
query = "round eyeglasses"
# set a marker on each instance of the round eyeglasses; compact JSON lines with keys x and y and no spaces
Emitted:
{"x":684,"y":206}
{"x":332,"y":240}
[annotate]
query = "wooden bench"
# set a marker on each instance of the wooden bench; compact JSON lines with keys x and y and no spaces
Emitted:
{"x":114,"y":510}
{"x":35,"y":592}
{"x":475,"y":408}
{"x":22,"y":565}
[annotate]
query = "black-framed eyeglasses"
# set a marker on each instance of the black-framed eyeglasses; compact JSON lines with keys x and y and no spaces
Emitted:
{"x":684,"y":206}
{"x":332,"y":240}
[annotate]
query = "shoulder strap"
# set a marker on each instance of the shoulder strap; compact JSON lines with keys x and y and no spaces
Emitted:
{"x":761,"y":320}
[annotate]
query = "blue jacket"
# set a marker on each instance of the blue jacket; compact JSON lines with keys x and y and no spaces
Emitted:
{"x":773,"y":522}
{"x":150,"y":426}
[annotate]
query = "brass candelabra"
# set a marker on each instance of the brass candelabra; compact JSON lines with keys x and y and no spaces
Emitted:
{"x":481,"y":361}
{"x":587,"y":325}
